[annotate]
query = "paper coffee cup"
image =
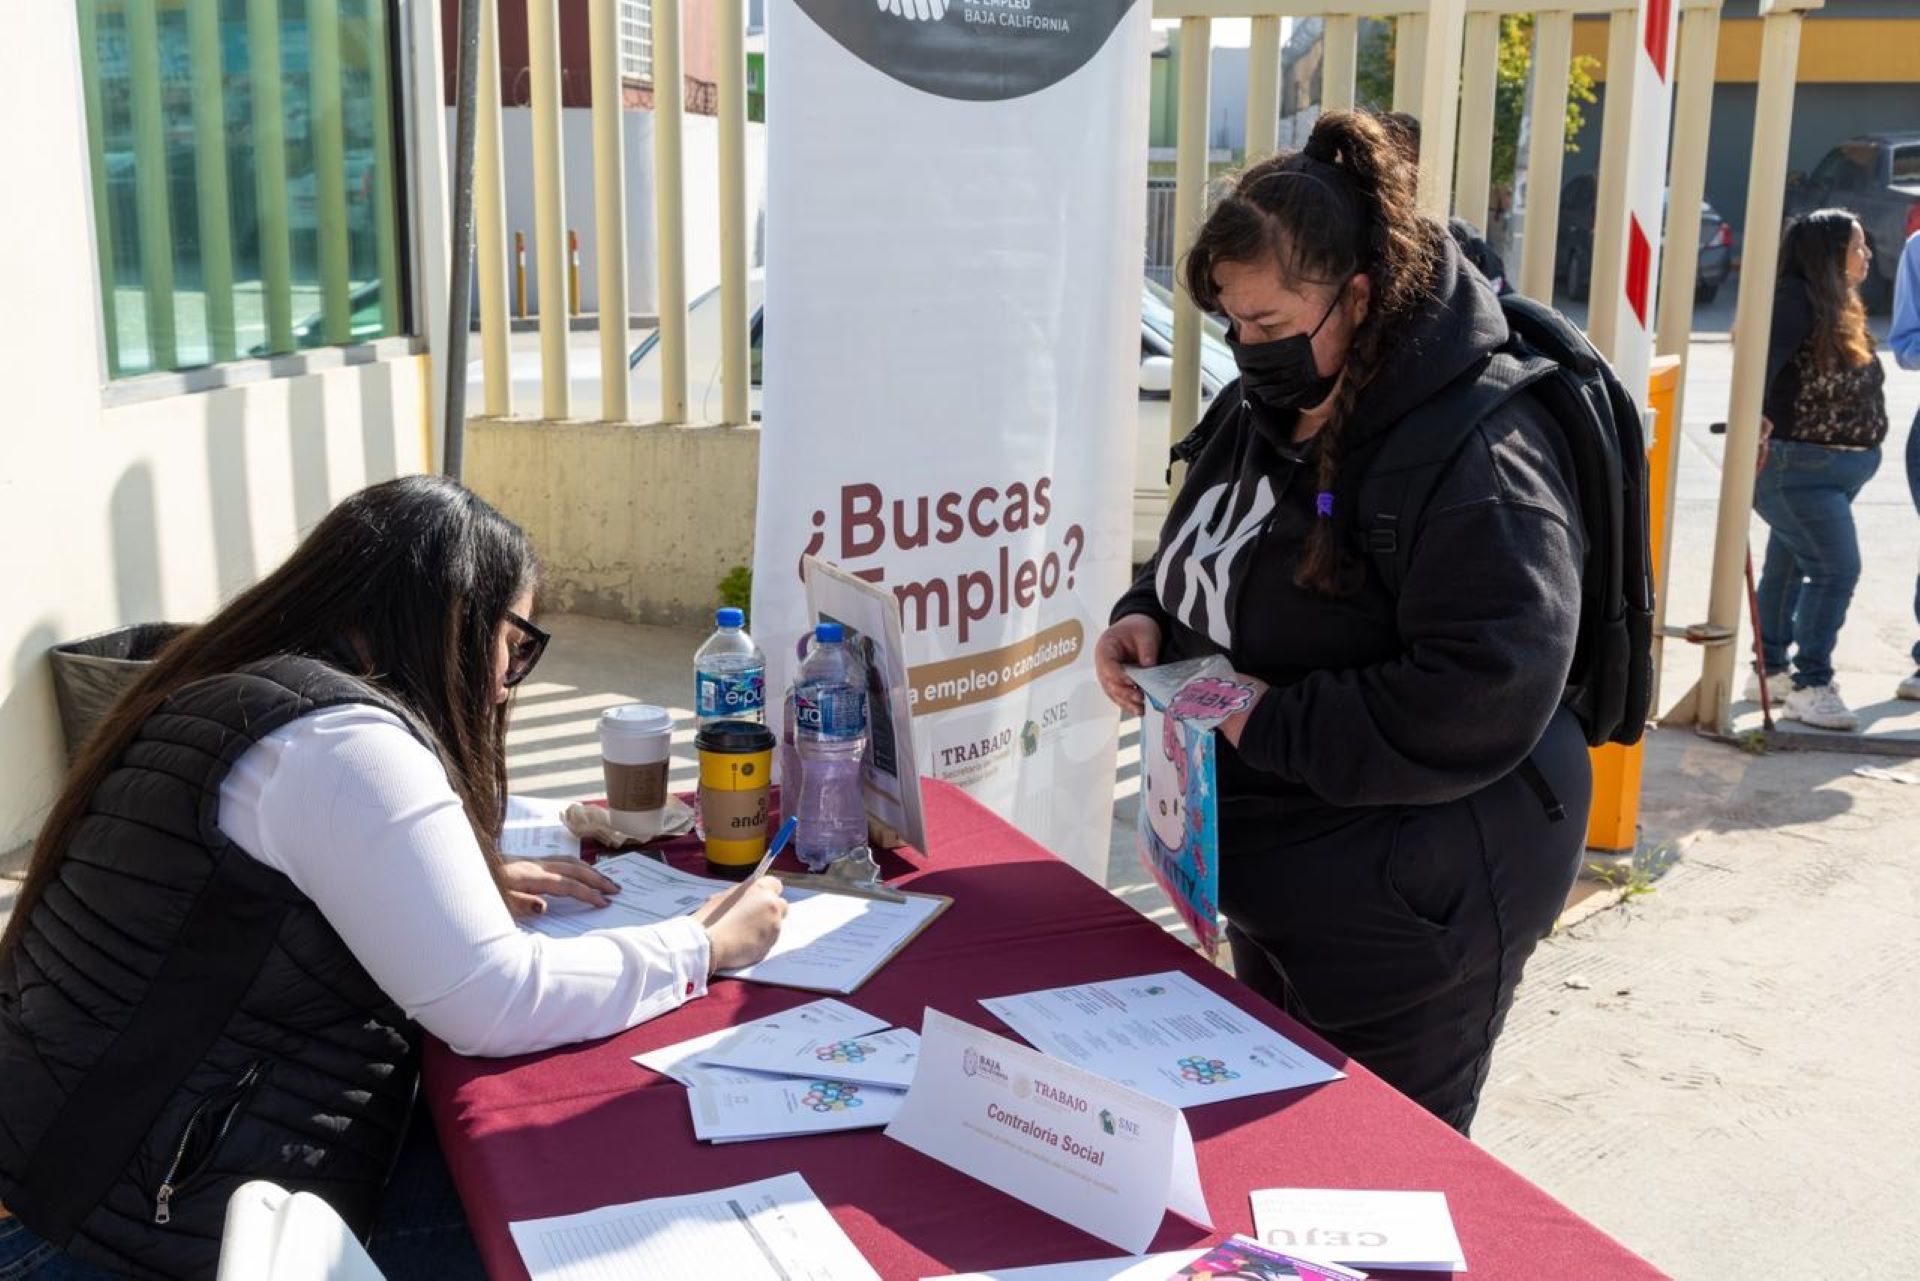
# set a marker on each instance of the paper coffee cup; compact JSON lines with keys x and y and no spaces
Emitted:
{"x":736,"y":765}
{"x":635,"y":741}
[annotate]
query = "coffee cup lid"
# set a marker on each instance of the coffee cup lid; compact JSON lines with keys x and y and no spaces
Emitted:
{"x":636,"y":720}
{"x":734,"y":736}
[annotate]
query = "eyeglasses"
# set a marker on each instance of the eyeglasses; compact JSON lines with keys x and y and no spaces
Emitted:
{"x":522,"y":654}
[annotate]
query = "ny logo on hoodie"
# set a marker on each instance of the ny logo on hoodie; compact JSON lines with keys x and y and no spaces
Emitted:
{"x":1195,"y":582}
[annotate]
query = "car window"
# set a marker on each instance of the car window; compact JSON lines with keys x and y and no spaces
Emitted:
{"x":1216,"y":359}
{"x":1906,"y":165}
{"x":753,"y":348}
{"x":1844,"y":169}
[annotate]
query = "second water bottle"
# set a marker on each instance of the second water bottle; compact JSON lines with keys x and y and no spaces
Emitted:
{"x":830,"y":715}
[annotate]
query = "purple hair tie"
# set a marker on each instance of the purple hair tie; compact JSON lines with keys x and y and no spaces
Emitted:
{"x":1324,"y":503}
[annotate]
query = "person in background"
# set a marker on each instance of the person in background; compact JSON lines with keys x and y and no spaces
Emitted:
{"x":1825,"y":416}
{"x":1904,"y":338}
{"x":1390,"y":848}
{"x":274,"y":866}
{"x":1404,"y":128}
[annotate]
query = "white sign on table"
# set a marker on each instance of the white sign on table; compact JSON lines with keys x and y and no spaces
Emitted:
{"x":1164,"y":1035}
{"x":771,"y":1230}
{"x":1410,"y":1231}
{"x":1102,"y":1157}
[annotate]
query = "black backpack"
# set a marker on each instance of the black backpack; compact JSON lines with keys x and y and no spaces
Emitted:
{"x":1611,"y":683}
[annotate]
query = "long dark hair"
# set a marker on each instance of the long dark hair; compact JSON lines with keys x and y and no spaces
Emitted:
{"x":406,"y":585}
{"x":1341,"y":205}
{"x":1814,"y":251}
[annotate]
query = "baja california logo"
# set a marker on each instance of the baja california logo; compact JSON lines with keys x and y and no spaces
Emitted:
{"x":974,"y":50}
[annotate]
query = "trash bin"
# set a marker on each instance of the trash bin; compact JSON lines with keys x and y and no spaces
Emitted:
{"x":90,"y":674}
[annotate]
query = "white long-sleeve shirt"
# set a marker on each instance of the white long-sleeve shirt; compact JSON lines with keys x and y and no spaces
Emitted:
{"x":359,"y":815}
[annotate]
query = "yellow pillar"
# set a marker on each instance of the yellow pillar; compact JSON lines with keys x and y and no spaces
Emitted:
{"x":1189,"y":206}
{"x":1614,"y":823}
{"x":1546,"y":148}
{"x":1341,"y":43}
{"x":1607,"y":268}
{"x":1263,"y":88}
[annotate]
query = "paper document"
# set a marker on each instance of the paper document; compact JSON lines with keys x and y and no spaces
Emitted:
{"x":1164,"y":1035}
{"x":875,"y":1058}
{"x":833,"y":942}
{"x":684,"y":1061}
{"x":772,"y":1230}
{"x":1411,"y":1231}
{"x":1137,"y":1267}
{"x":533,"y":829}
{"x":650,"y":892}
{"x":1104,"y":1158}
{"x":779,"y":1108}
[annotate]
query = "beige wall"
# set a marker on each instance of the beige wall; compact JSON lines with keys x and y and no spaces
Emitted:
{"x":631,"y":522}
{"x":142,"y":511}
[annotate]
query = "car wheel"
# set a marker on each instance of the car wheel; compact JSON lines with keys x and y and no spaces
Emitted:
{"x":1706,"y":291}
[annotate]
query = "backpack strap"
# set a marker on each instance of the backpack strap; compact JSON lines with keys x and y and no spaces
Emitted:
{"x":1401,"y":478}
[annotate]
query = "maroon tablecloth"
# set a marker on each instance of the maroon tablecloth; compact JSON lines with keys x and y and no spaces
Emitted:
{"x":582,"y":1127}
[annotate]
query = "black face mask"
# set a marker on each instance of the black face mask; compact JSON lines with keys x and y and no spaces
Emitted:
{"x":1281,"y":375}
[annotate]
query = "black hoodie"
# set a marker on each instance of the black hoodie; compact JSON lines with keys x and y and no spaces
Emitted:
{"x":1376,"y":701}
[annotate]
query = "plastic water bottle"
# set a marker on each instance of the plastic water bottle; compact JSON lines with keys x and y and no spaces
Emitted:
{"x":830,"y":713}
{"x":730,"y":674}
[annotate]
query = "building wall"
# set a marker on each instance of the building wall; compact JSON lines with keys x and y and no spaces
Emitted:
{"x":1835,"y":46}
{"x":1859,"y":72}
{"x":614,"y":541}
{"x":1823,"y":115}
{"x":159,"y":509}
{"x":697,"y":60}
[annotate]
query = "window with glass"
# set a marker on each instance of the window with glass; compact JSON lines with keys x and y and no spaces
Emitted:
{"x":636,"y":40}
{"x":246,"y":177}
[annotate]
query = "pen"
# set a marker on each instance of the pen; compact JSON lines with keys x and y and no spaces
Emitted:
{"x":774,"y":847}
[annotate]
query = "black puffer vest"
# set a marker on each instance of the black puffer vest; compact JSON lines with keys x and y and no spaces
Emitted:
{"x":177,"y":1018}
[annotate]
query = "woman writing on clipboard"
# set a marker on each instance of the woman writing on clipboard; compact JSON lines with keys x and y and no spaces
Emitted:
{"x":273,"y":866}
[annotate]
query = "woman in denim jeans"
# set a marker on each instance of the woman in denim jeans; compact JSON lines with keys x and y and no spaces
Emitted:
{"x":1826,"y":416}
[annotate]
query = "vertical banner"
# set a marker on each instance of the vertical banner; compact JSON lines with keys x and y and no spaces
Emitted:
{"x":955,"y":197}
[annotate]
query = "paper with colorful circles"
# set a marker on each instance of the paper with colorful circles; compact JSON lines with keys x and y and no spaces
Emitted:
{"x":873,"y":1058}
{"x":1165,"y":1035}
{"x":775,"y":1109}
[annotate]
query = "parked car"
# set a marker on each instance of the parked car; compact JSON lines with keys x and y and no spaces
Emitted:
{"x":1877,"y":178}
{"x":1573,"y":257}
{"x":367,"y":321}
{"x":1151,"y":440}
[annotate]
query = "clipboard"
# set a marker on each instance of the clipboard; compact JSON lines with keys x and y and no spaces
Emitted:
{"x":827,"y":885}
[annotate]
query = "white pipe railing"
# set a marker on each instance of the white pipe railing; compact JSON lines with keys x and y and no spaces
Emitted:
{"x":731,"y":54}
{"x":549,"y":203}
{"x":490,"y":223}
{"x":610,"y":204}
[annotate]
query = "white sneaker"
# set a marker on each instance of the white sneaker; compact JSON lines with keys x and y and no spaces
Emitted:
{"x":1779,"y":685}
{"x":1910,"y":687}
{"x":1820,"y":707}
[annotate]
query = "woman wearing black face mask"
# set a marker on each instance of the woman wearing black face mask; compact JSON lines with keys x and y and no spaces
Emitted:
{"x":1386,"y":866}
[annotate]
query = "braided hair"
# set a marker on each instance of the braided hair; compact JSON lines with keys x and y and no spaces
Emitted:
{"x":1342,"y":205}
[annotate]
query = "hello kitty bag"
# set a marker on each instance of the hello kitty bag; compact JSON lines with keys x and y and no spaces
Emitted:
{"x":1178,"y":833}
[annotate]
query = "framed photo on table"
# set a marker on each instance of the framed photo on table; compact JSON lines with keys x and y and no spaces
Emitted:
{"x":871,"y":616}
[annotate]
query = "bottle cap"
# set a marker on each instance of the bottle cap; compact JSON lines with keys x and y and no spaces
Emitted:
{"x":730,"y":617}
{"x":830,"y":633}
